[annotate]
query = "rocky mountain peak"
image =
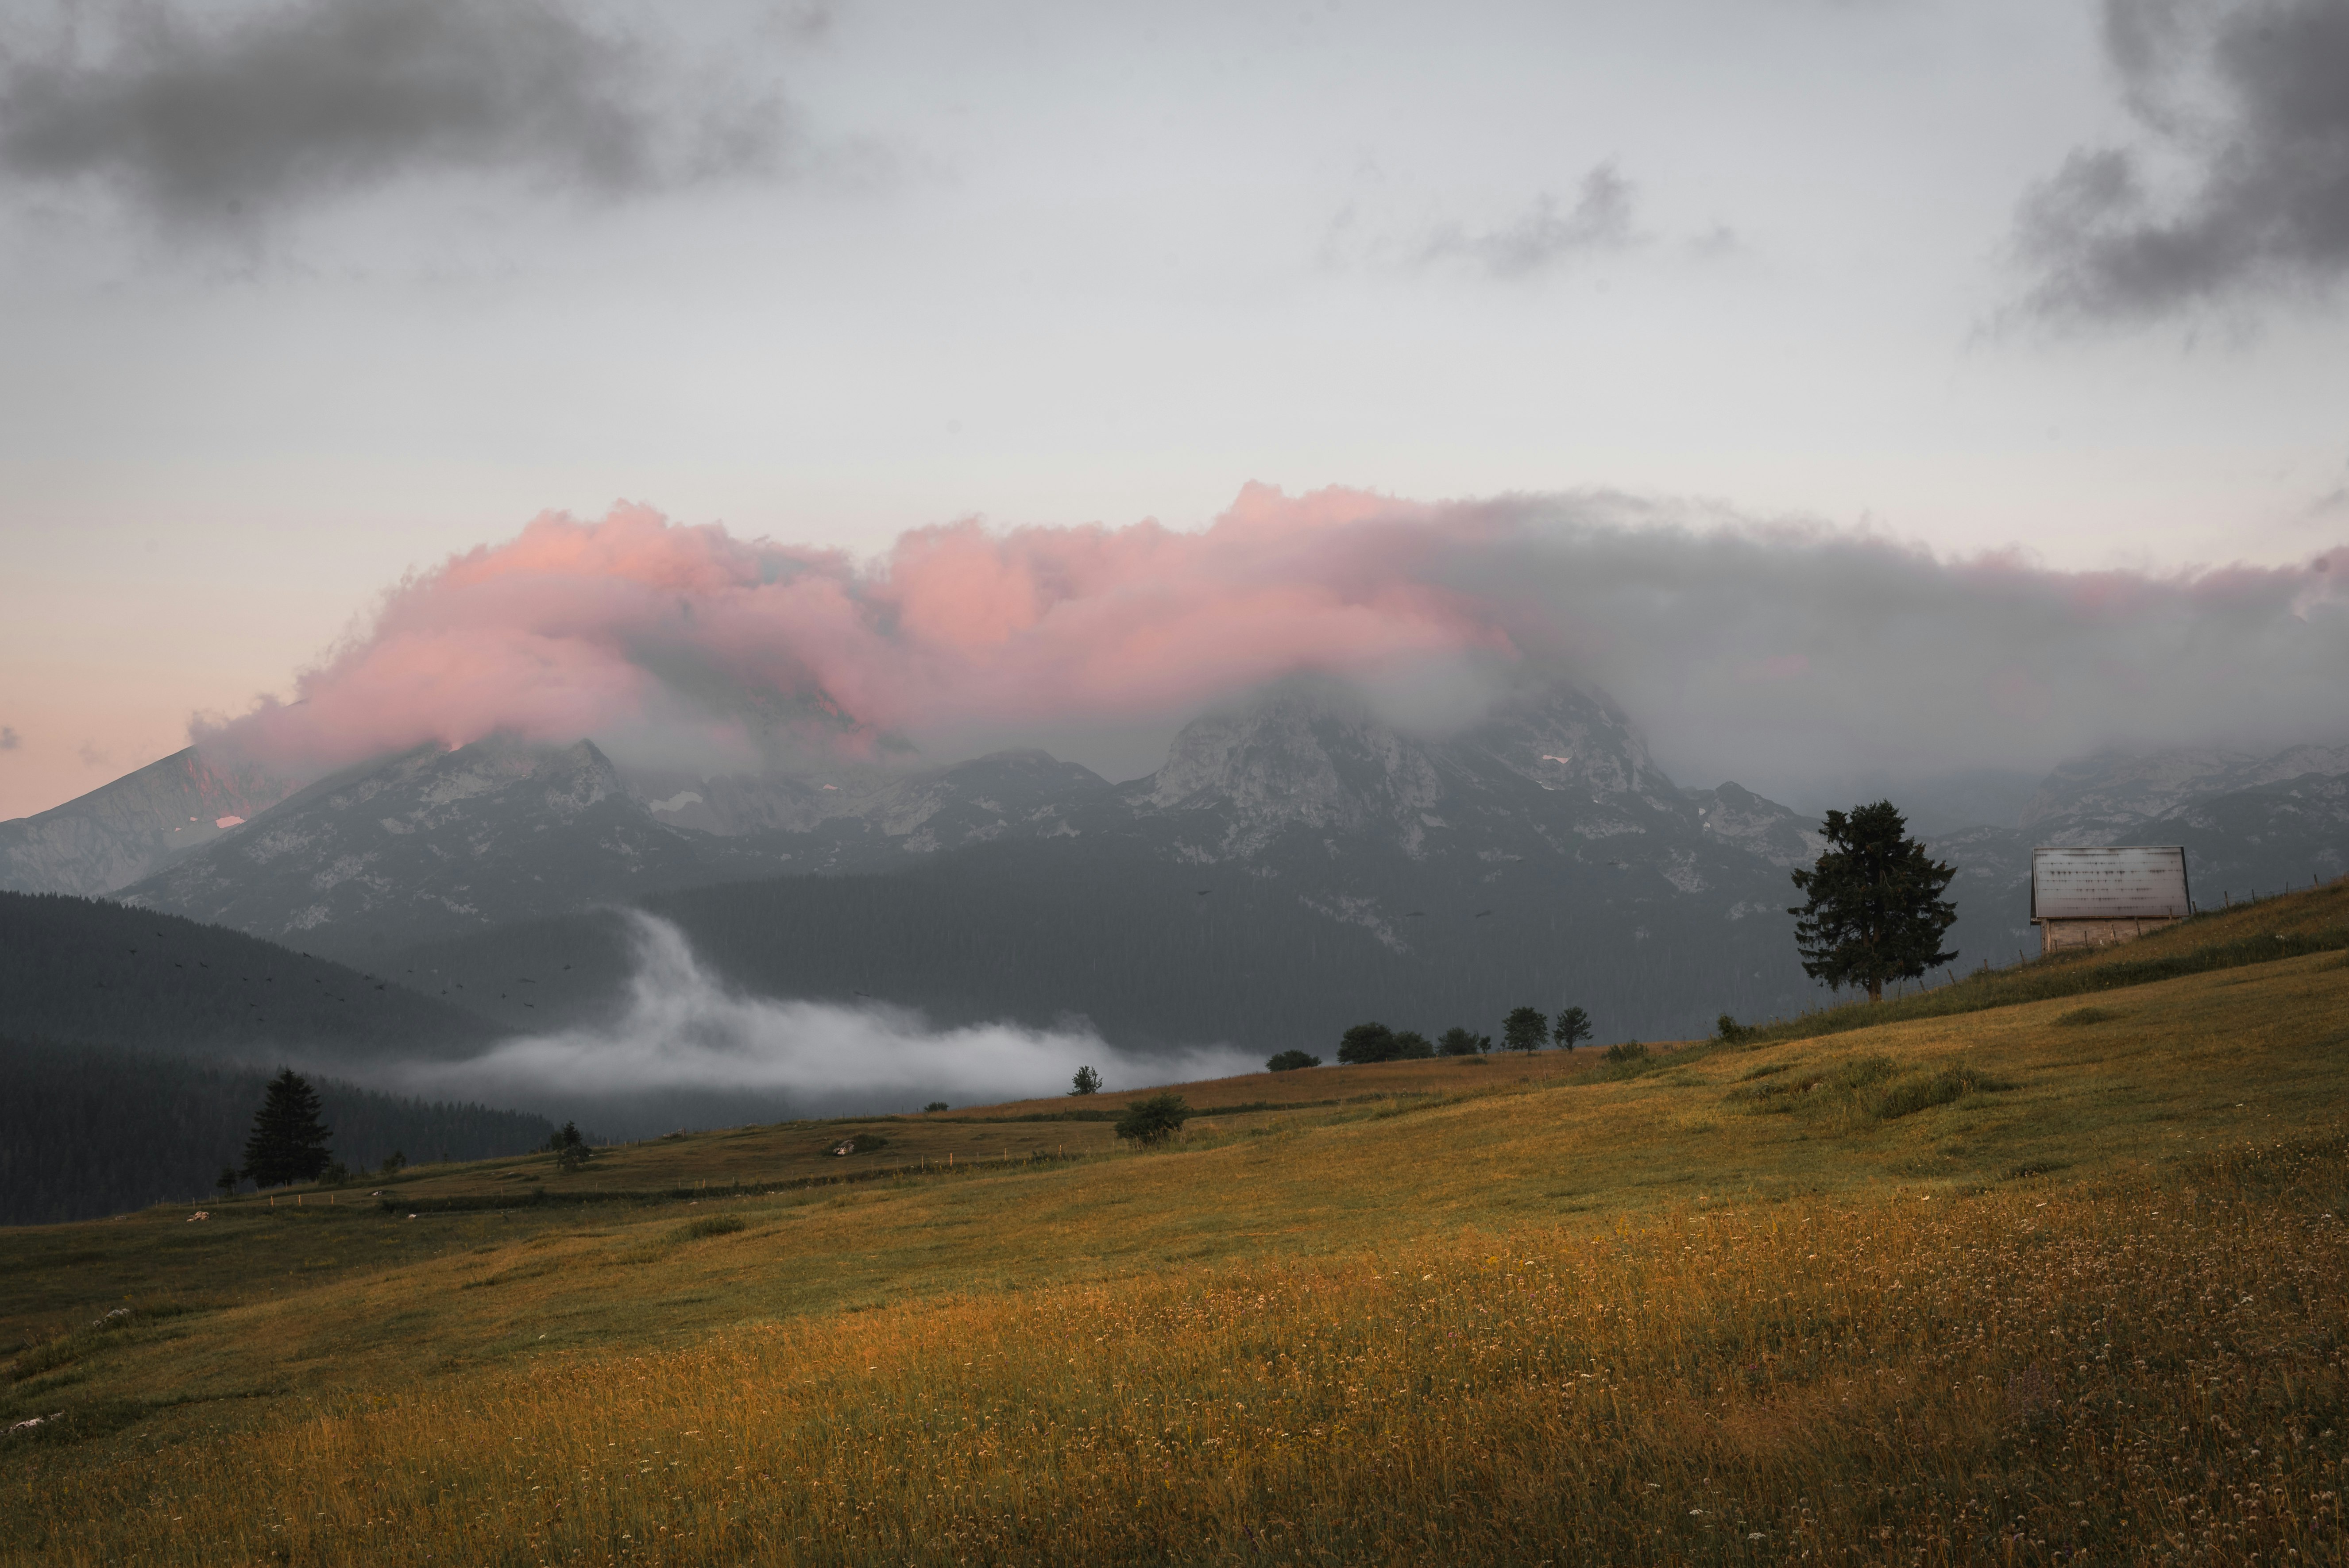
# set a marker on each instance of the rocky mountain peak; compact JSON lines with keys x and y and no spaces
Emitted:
{"x":487,"y":832}
{"x":1570,"y":737}
{"x":1313,"y":756}
{"x":1737,"y":817}
{"x":131,"y":827}
{"x":2114,"y":788}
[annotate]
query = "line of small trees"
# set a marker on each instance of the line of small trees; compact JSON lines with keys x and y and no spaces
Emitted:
{"x":1525,"y":1029}
{"x":1874,"y":914}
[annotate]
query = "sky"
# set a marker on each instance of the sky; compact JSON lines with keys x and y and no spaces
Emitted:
{"x":2030,"y":314}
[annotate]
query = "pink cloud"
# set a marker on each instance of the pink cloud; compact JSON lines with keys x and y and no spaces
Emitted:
{"x":1755,"y":648}
{"x":575,"y":626}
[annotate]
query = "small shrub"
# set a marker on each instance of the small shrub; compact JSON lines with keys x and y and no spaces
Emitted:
{"x":715,"y":1225}
{"x":1155,"y":1119}
{"x":1772,"y":1098}
{"x":1627,"y":1059}
{"x":2079,"y":1016}
{"x":1290,"y":1062}
{"x":1913,"y":1095}
{"x":1861,"y":1073}
{"x":1730,"y":1032}
{"x":936,"y":1105}
{"x":856,"y":1143}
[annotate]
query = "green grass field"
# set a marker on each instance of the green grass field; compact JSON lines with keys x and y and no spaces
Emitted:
{"x":2043,"y":1264}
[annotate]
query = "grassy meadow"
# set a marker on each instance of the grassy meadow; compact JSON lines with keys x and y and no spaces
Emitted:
{"x":2046,"y":1265}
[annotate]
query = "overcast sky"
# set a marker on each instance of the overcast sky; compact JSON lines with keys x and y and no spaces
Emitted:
{"x":299,"y":298}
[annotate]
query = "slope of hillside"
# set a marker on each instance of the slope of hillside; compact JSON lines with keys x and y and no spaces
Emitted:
{"x":88,"y":970}
{"x":2034,"y":1280}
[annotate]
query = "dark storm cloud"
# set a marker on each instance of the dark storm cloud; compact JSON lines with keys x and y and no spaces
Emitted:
{"x":1549,"y":233}
{"x":2254,"y":98}
{"x":214,"y":120}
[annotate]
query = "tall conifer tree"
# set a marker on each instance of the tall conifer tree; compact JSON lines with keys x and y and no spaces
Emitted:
{"x":1876,"y":910}
{"x":288,"y":1142}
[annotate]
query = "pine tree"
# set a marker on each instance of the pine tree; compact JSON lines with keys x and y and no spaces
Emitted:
{"x":288,"y":1142}
{"x":1876,"y":910}
{"x":1573,"y":1025}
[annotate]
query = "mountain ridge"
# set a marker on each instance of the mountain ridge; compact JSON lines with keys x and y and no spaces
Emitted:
{"x":131,"y":827}
{"x":1547,"y":810}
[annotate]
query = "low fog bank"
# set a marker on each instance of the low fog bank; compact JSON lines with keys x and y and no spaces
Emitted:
{"x":686,"y":1051}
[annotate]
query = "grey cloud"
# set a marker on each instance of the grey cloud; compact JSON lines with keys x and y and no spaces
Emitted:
{"x":2253,"y":97}
{"x":210,"y":122}
{"x":9,"y":739}
{"x":1795,"y":657}
{"x":1788,"y":657}
{"x":1547,"y":233}
{"x":91,"y":757}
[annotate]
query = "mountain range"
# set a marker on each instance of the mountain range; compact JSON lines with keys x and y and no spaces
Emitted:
{"x":1295,"y":866}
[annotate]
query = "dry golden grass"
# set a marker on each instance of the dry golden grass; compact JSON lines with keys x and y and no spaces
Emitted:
{"x":1672,"y":1316}
{"x":2149,"y":1370}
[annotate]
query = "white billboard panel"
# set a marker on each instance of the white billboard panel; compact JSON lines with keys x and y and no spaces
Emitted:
{"x":2121,"y":881}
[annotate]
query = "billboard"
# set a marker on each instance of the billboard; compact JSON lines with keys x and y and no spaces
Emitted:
{"x":2121,"y":881}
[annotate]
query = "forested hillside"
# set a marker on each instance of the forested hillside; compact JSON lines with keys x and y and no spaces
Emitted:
{"x":83,"y":969}
{"x":86,"y":1133}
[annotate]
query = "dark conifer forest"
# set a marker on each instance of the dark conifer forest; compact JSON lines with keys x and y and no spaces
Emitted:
{"x":86,"y":1131}
{"x":76,"y":969}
